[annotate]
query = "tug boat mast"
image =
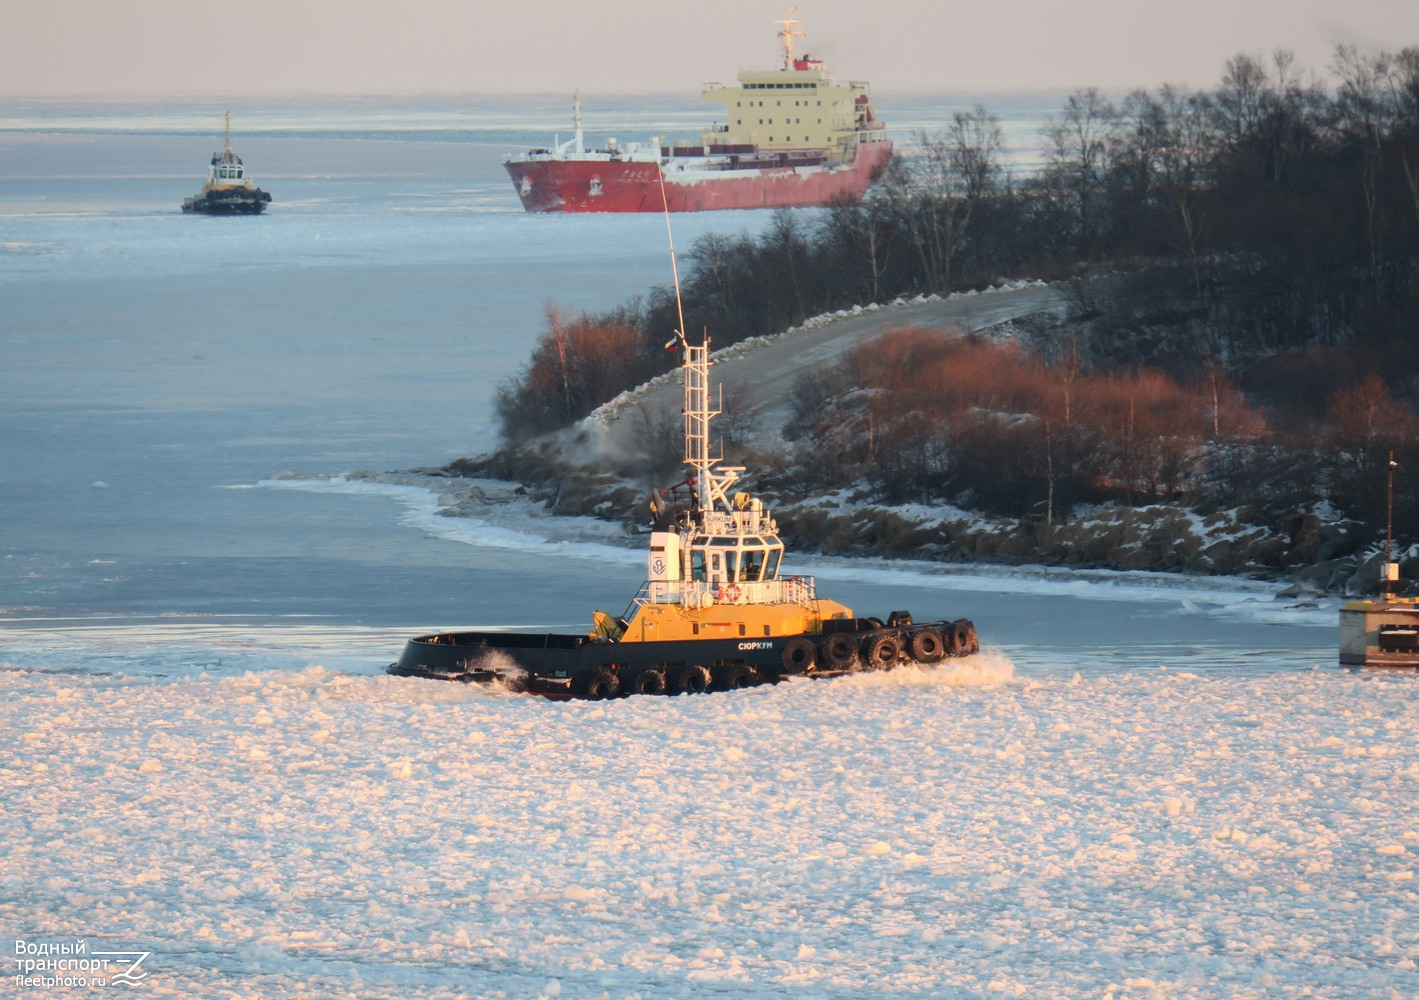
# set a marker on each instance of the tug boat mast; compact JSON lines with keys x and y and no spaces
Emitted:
{"x":227,"y":170}
{"x":718,"y":548}
{"x":727,"y":539}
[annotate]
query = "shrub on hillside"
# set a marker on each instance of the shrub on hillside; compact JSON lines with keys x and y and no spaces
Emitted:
{"x":576,"y":366}
{"x":929,"y":414}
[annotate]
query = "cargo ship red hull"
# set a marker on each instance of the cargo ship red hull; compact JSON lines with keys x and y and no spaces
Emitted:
{"x":609,"y":184}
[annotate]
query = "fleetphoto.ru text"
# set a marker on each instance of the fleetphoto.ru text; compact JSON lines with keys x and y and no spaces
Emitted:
{"x":72,"y":964}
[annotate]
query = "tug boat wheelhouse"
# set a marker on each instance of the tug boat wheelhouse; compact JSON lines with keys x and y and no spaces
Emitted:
{"x":716,"y":610}
{"x":228,"y":190}
{"x":792,"y":136}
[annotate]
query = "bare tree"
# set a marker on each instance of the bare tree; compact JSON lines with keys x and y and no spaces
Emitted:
{"x":933,"y":194}
{"x":1241,"y":100}
{"x":1138,"y":142}
{"x":868,"y":237}
{"x":1187,"y":149}
{"x":975,"y":139}
{"x":1403,"y":84}
{"x":783,"y":259}
{"x":1076,"y":159}
{"x":1360,"y":99}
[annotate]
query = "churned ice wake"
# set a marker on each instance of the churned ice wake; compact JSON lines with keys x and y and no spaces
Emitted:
{"x":989,"y":668}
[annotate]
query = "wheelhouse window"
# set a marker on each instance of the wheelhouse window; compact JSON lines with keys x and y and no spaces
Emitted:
{"x":753,"y":570}
{"x":747,"y":559}
{"x":774,"y":556}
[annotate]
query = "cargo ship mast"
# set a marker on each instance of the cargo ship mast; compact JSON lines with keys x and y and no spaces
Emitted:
{"x":788,"y":31}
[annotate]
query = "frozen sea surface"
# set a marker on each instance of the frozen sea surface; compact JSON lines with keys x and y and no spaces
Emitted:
{"x":959,"y":831}
{"x":1145,"y":786}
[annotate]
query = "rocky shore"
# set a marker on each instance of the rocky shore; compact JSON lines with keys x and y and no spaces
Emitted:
{"x":1314,"y":557}
{"x":603,"y":469}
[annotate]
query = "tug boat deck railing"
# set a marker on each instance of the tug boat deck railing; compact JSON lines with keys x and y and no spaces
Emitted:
{"x":801,"y":590}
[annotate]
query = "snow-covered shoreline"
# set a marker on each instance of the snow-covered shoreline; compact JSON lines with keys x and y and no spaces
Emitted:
{"x":499,"y":513}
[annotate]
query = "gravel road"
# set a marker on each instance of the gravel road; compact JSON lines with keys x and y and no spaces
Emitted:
{"x":760,"y":373}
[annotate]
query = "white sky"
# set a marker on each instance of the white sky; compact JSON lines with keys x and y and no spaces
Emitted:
{"x":277,"y":47}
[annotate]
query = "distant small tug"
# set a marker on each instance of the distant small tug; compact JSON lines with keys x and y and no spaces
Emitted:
{"x":715,"y":612}
{"x":1382,"y":631}
{"x":228,"y":190}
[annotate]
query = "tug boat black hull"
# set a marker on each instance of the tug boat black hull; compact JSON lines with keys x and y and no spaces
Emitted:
{"x":582,"y":666}
{"x":229,"y":202}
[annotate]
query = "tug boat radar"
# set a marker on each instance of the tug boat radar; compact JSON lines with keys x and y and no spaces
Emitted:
{"x":716,"y":612}
{"x":228,"y":190}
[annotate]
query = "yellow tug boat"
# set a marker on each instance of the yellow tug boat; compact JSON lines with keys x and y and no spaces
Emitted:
{"x":716,"y":610}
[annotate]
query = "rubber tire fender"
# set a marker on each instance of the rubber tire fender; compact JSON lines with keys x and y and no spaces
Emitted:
{"x":692,"y":679}
{"x":799,"y":655}
{"x":600,"y":684}
{"x":927,"y":645}
{"x":650,"y":680}
{"x":972,"y":641}
{"x":840,"y":651}
{"x":959,"y":637}
{"x":734,"y":677}
{"x":880,"y":652}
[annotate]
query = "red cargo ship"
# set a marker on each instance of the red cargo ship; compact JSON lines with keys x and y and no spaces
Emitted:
{"x":793,"y":136}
